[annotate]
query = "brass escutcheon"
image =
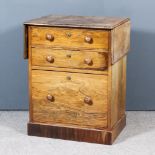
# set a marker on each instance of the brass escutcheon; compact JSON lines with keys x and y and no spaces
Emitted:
{"x":68,"y":77}
{"x":68,"y":34}
{"x":68,"y":55}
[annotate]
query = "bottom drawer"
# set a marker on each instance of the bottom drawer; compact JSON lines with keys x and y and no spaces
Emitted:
{"x":74,"y":99}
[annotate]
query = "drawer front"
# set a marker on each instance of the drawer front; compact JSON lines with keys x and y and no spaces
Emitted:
{"x":70,"y":38}
{"x":69,"y":99}
{"x":69,"y":59}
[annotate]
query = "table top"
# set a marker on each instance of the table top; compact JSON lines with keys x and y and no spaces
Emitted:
{"x":78,"y":21}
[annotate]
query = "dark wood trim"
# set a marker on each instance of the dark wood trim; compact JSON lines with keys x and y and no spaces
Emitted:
{"x":30,"y":74}
{"x":77,"y":134}
{"x":117,"y":128}
{"x":25,"y":42}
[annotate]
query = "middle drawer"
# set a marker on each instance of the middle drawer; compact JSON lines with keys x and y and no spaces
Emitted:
{"x":69,"y":59}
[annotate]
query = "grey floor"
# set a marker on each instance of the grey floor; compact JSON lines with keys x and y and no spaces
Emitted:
{"x":137,"y":138}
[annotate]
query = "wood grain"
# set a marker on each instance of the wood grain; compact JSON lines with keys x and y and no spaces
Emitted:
{"x":76,"y":40}
{"x":70,"y":133}
{"x":29,"y":75}
{"x":117,"y":77}
{"x":69,"y":58}
{"x":69,"y":107}
{"x":79,"y":21}
{"x":120,"y":41}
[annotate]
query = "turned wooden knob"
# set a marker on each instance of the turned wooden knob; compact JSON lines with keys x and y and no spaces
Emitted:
{"x":88,"y":39}
{"x":88,"y":100}
{"x":50,"y":97}
{"x":49,"y":37}
{"x":88,"y":61}
{"x":50,"y":59}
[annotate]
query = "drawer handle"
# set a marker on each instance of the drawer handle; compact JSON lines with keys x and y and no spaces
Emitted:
{"x":50,"y":97}
{"x":88,"y":100}
{"x":88,"y":61}
{"x":49,"y":37}
{"x":50,"y":59}
{"x":88,"y":39}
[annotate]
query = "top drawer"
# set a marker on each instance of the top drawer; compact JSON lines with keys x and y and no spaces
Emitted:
{"x":69,"y":38}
